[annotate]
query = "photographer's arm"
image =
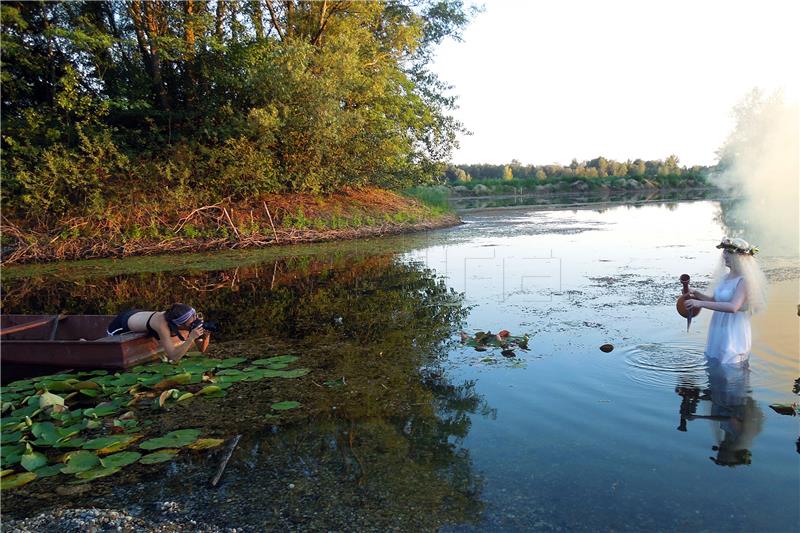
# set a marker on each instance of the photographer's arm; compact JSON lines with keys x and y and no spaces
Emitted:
{"x":176,"y":351}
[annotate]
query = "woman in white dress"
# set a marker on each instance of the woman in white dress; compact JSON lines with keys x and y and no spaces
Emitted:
{"x":737,"y":296}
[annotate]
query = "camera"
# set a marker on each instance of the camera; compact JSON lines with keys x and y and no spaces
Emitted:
{"x":209,"y":326}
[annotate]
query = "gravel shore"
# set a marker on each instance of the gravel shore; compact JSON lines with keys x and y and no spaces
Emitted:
{"x":103,"y":520}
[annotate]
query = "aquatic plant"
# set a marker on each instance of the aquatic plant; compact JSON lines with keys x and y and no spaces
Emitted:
{"x":82,"y":424}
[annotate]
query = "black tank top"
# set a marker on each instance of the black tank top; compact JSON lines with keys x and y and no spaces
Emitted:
{"x":150,"y":330}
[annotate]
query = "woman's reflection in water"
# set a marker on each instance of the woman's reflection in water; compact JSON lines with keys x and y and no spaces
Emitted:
{"x":735,"y":416}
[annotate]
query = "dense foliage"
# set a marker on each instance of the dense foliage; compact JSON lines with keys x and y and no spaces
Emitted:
{"x":599,"y":167}
{"x":225,"y":98}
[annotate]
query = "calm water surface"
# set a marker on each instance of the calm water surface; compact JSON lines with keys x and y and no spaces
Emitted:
{"x":426,"y":433}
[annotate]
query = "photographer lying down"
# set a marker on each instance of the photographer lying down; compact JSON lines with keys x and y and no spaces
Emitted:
{"x":163,"y":325}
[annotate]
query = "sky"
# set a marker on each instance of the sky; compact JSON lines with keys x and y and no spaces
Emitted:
{"x":548,"y":81}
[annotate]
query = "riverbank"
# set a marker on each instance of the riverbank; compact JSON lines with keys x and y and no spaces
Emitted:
{"x":150,"y":227}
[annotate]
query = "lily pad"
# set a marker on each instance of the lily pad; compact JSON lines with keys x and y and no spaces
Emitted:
{"x":105,"y":442}
{"x":120,"y":459}
{"x":98,"y":472}
{"x":173,"y":439}
{"x":229,"y":372}
{"x":80,"y":461}
{"x":204,"y":444}
{"x":17,"y":480}
{"x":159,"y":457}
{"x":283,"y":406}
{"x":49,"y":471}
{"x":46,"y":433}
{"x":75,"y":442}
{"x":8,"y":438}
{"x":296,"y":373}
{"x":281,"y":359}
{"x":32,"y":460}
{"x":231,"y":362}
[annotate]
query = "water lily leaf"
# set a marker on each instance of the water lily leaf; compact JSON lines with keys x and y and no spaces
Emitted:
{"x":104,"y":442}
{"x":121,"y":445}
{"x":296,"y":373}
{"x":283,"y":406}
{"x":281,"y":359}
{"x":171,"y":382}
{"x":22,"y":384}
{"x":57,"y":386}
{"x":49,"y":471}
{"x":231,"y":361}
{"x":90,"y":393}
{"x":16,"y":480}
{"x":80,"y":461}
{"x":102,"y":410}
{"x":4,"y":473}
{"x":75,"y":442}
{"x":98,"y":472}
{"x":159,"y":457}
{"x":229,"y":372}
{"x":185,"y":396}
{"x":120,"y":459}
{"x":262,"y":373}
{"x":45,"y":432}
{"x":32,"y":460}
{"x":204,"y":444}
{"x":231,"y":379}
{"x":47,"y":399}
{"x":209,"y":389}
{"x":124,"y":380}
{"x":173,"y":439}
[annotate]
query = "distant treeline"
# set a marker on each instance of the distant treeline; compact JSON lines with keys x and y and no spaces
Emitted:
{"x":193,"y":101}
{"x":599,"y":167}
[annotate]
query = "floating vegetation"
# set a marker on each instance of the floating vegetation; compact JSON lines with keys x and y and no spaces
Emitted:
{"x":283,"y":406}
{"x":87,"y":424}
{"x":486,"y":340}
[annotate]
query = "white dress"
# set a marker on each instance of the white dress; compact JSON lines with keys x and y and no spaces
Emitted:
{"x":729,"y":338}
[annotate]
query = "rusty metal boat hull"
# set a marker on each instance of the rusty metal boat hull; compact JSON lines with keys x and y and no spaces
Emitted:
{"x":73,"y":341}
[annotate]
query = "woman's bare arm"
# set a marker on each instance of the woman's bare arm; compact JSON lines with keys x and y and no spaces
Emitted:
{"x":176,"y":351}
{"x":697,"y":295}
{"x":733,"y":306}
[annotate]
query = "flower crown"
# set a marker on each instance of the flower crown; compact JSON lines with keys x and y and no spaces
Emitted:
{"x":737,"y":245}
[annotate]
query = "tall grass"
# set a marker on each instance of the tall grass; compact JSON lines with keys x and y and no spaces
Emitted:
{"x":437,"y":198}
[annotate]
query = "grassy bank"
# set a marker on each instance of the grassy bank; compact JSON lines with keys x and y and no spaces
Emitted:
{"x":152,"y":227}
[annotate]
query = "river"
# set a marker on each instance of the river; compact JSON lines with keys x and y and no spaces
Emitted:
{"x":405,"y":426}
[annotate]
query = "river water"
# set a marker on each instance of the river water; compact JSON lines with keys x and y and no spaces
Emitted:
{"x":403,"y":426}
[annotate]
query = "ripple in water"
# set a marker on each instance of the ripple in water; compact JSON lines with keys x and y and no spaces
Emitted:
{"x":667,"y":364}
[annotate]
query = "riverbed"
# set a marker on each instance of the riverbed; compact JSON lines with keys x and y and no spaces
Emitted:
{"x":405,"y":426}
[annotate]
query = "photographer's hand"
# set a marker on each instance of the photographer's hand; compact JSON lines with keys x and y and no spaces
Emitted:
{"x":196,"y":333}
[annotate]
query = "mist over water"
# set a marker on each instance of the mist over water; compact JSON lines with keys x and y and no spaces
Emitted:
{"x":759,"y":165}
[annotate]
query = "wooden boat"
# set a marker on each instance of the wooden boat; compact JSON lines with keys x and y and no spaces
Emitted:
{"x":71,"y":341}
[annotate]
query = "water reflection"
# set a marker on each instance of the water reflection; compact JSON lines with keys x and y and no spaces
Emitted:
{"x":382,"y":426}
{"x":577,"y":199}
{"x":735,"y":417}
